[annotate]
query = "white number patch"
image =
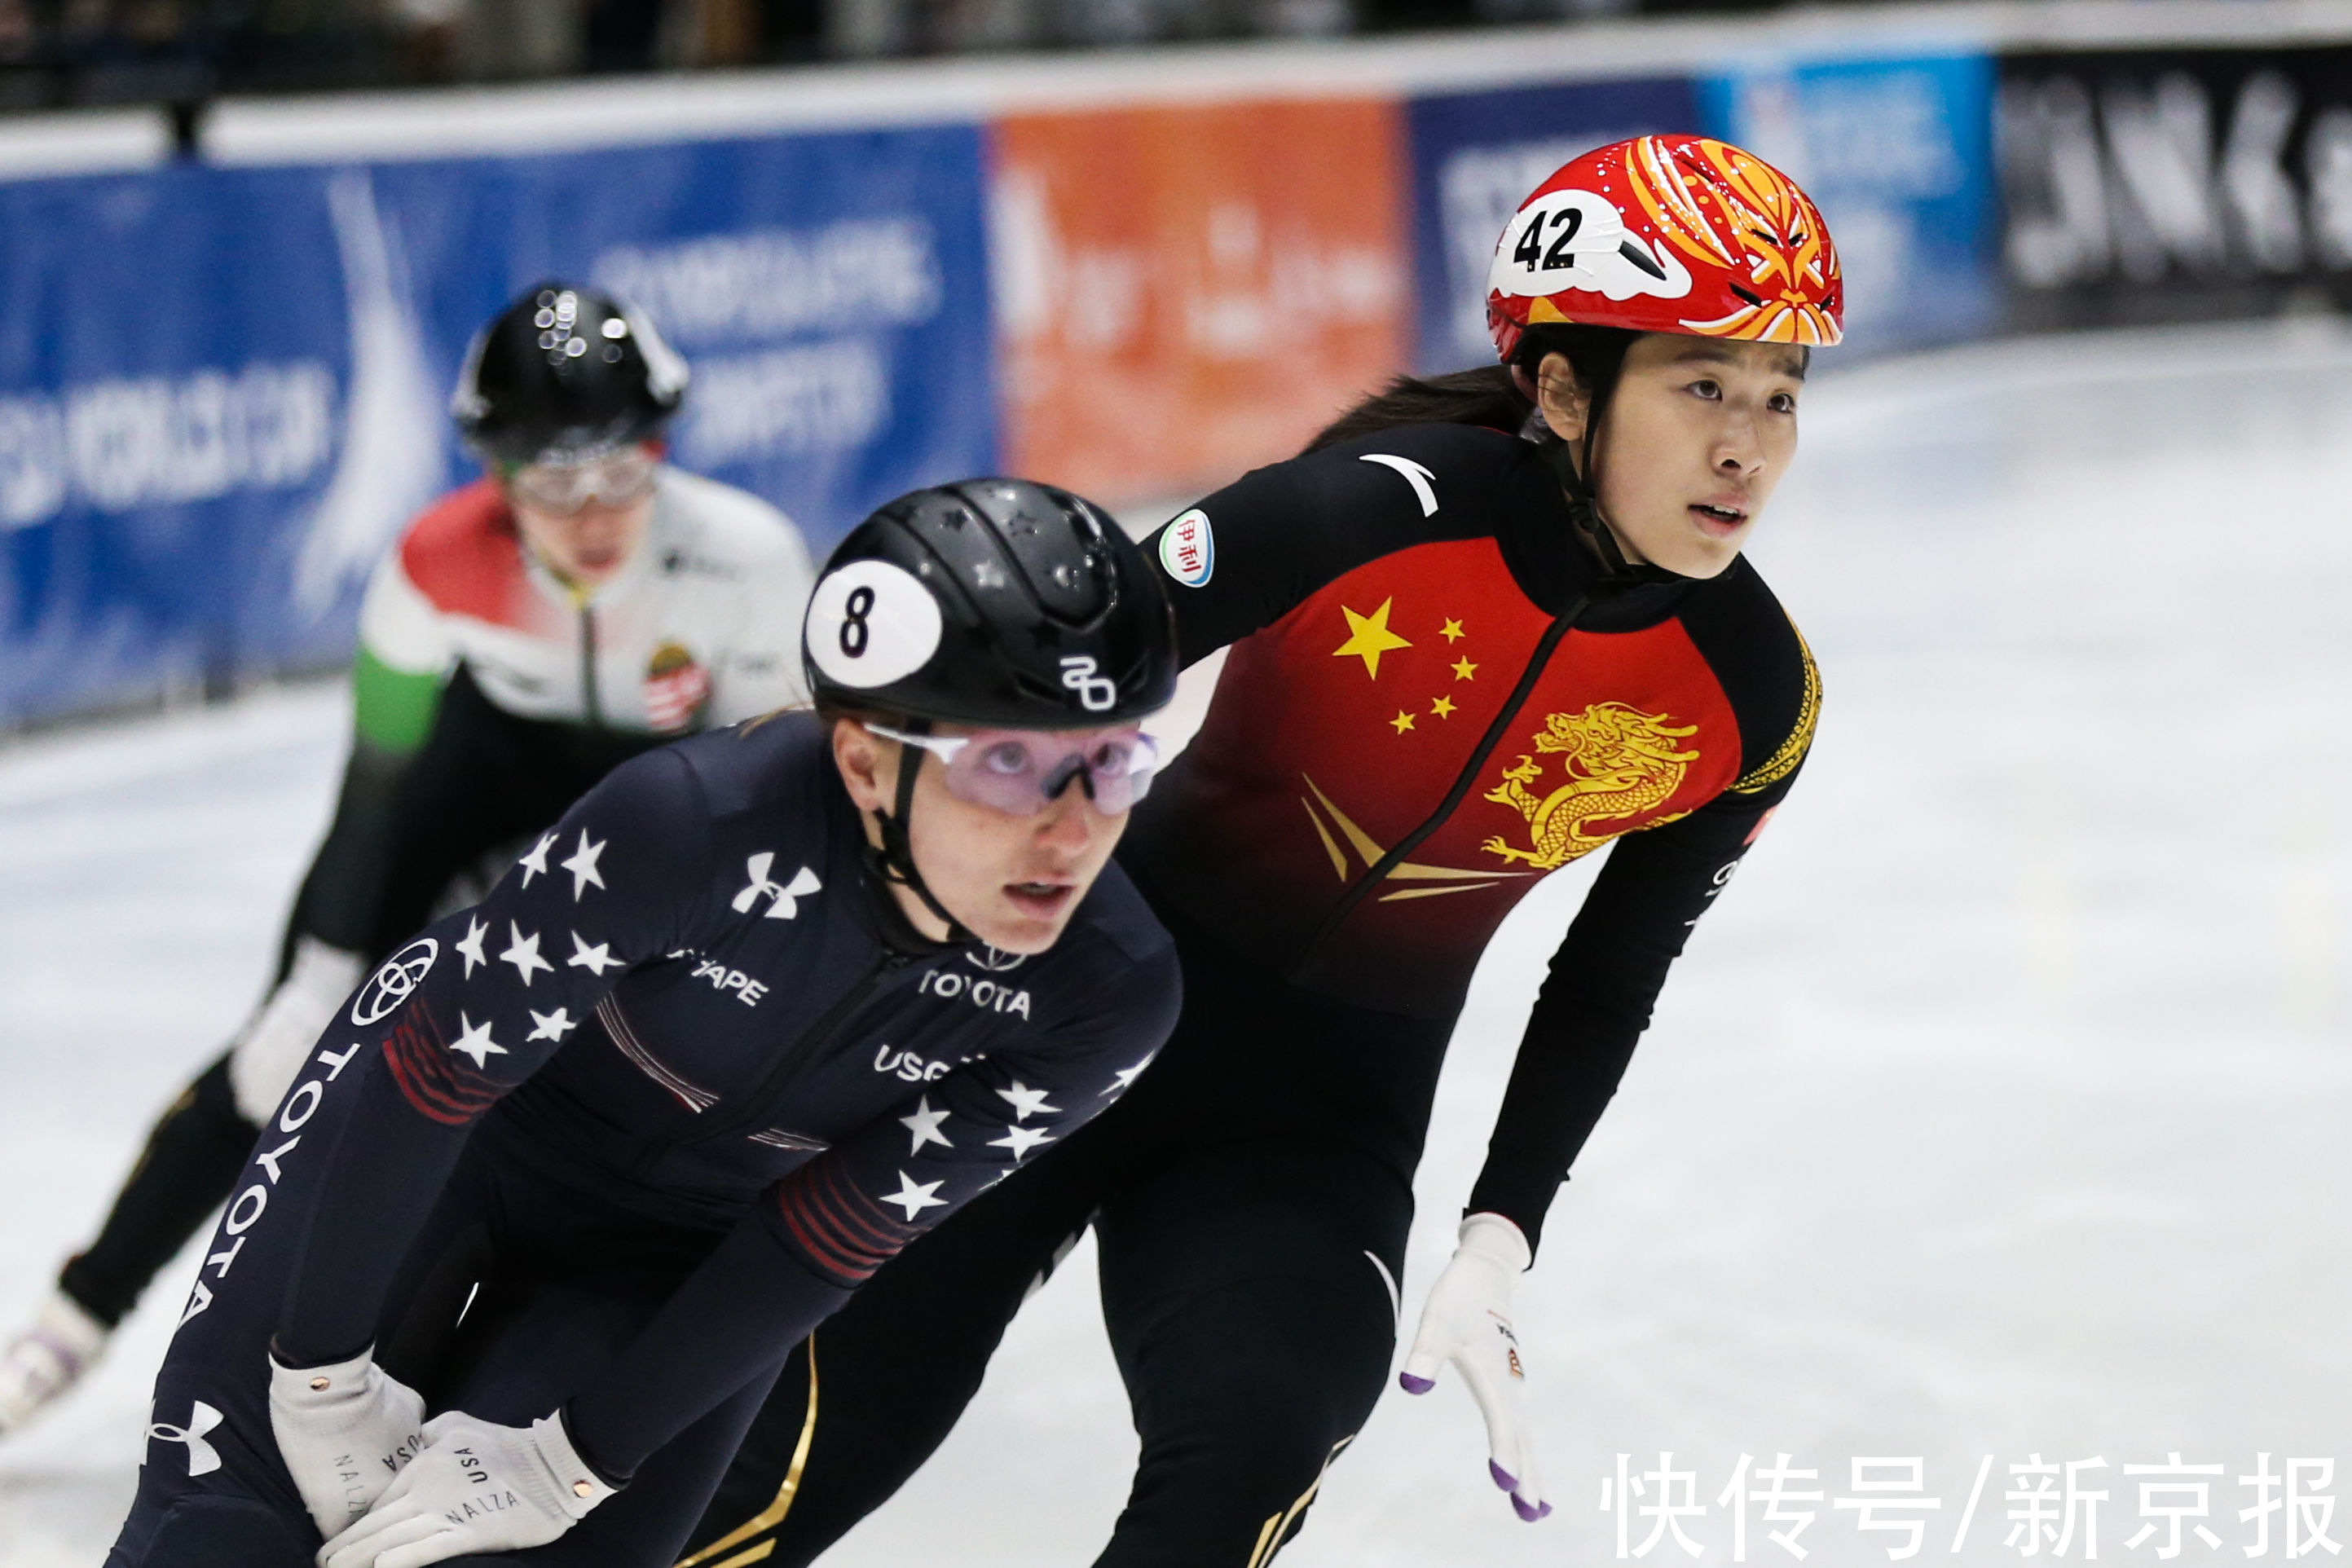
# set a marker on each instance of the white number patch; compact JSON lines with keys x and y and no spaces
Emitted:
{"x":870,"y":624}
{"x":1576,"y":239}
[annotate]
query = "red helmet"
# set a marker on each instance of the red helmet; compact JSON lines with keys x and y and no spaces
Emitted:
{"x":1668,"y":234}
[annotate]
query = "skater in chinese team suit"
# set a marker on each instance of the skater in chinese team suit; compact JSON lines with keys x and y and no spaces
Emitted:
{"x":576,"y":1168}
{"x":582,"y":602}
{"x":1485,"y":625}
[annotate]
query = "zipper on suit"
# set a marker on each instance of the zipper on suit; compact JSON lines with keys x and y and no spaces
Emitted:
{"x":738,"y":1111}
{"x":1537,"y":663}
{"x":588,"y":703}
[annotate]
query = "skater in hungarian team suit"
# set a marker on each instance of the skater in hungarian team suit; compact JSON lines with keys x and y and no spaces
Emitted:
{"x":581,"y":603}
{"x":1488,"y":625}
{"x":574,"y":1169}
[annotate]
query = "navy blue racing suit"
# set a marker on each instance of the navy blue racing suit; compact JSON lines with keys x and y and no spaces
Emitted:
{"x":617,"y":1138}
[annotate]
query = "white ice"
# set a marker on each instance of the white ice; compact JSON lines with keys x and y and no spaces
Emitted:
{"x":1999,"y":1110}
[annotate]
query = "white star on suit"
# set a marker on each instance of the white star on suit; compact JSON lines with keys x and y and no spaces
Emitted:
{"x":1026,"y":1102}
{"x":552,"y":1025}
{"x":916,"y":1197}
{"x":535,"y":863}
{"x":522,"y":952}
{"x":583,"y":865}
{"x":594,"y":960}
{"x":471,"y":948}
{"x":1021,"y":1140}
{"x":475,"y":1041}
{"x":925,"y":1125}
{"x":1123,"y":1080}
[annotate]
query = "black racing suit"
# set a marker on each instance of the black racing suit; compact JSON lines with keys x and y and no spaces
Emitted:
{"x":1434,"y":694}
{"x":614,"y":1140}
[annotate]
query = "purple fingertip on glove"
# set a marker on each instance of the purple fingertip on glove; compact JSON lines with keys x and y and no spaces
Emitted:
{"x":1521,"y":1506}
{"x":1412,"y":1384}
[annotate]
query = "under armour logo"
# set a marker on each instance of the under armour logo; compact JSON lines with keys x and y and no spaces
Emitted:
{"x":787,"y":897}
{"x":203,"y":1457}
{"x":1095,"y":692}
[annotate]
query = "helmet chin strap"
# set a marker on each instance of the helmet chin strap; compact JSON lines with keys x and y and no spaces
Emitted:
{"x":895,"y":861}
{"x":1583,"y":490}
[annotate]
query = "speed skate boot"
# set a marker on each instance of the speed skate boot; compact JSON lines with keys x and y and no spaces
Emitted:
{"x":48,"y":1357}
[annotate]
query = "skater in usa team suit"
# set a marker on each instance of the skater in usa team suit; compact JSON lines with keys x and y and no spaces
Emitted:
{"x":579,"y":604}
{"x":1484,"y":627}
{"x":573,"y":1171}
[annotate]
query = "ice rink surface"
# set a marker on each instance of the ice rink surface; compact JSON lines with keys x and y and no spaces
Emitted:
{"x":2000,"y":1110}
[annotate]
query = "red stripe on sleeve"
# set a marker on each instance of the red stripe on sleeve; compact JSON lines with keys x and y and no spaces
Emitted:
{"x":837,"y":1226}
{"x":435,"y":1086}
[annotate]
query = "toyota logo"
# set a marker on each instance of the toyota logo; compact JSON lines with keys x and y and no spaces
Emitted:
{"x":995,"y":960}
{"x":401,"y":973}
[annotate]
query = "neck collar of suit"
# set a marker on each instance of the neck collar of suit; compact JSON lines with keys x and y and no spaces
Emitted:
{"x":1563,"y":556}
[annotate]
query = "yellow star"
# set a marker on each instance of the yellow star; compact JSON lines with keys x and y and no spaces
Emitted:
{"x":1403,"y":722}
{"x":1368,"y":637}
{"x":1442,"y":708}
{"x":1463,"y":670}
{"x":1453,"y":632}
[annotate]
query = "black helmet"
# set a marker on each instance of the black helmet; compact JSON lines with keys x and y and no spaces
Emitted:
{"x":565,"y":370}
{"x":993,"y":602}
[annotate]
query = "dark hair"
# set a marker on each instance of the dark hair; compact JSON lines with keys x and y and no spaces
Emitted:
{"x":1489,"y":395}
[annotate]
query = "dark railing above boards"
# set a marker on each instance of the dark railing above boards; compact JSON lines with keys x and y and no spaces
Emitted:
{"x":71,"y":53}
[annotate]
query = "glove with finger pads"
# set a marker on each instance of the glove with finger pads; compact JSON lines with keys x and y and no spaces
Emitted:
{"x":477,"y":1488}
{"x":345,"y":1430}
{"x":1467,"y":1321}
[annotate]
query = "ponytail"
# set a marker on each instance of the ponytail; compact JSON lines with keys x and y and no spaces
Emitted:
{"x":1489,"y":395}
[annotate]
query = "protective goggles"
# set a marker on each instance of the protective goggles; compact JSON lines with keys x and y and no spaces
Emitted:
{"x":1021,"y":771}
{"x":613,"y":478}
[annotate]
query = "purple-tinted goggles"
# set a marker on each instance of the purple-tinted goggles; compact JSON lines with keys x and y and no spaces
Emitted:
{"x":1021,"y":771}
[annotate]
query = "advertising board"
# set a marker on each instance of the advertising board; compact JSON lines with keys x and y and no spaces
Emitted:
{"x":2175,"y":184}
{"x":1897,"y":153}
{"x":222,"y":391}
{"x":1188,"y":292}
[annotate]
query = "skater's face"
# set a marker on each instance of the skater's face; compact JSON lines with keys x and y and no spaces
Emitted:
{"x":1692,"y":440}
{"x":585,"y":520}
{"x":1012,"y":880}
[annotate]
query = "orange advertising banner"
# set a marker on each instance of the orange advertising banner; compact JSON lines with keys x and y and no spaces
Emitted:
{"x":1186,"y":292}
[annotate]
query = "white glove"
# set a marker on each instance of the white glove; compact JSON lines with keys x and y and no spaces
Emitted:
{"x":1467,"y":1321}
{"x":477,"y":1488}
{"x":344,"y":1432}
{"x":268,"y":1056}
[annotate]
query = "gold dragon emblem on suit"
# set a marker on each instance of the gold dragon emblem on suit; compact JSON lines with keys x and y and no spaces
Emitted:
{"x":1615,"y":762}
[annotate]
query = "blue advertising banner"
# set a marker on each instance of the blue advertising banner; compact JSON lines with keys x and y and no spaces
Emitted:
{"x":223,"y":391}
{"x":1476,"y":155}
{"x":1897,"y":153}
{"x":172,"y":392}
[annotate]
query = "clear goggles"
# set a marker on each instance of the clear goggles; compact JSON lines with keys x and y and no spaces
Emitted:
{"x":1021,"y":771}
{"x":613,"y":478}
